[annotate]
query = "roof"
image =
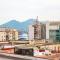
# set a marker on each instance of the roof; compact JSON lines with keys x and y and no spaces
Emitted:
{"x":55,"y":23}
{"x":25,"y":47}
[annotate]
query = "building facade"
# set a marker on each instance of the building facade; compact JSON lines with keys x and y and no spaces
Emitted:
{"x":37,"y":31}
{"x":31,"y":32}
{"x":43,"y":31}
{"x":7,"y":34}
{"x":53,"y":31}
{"x":49,"y":31}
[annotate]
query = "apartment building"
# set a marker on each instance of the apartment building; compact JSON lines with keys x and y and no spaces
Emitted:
{"x":7,"y":34}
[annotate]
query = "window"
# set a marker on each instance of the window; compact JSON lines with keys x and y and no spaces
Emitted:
{"x":57,"y":30}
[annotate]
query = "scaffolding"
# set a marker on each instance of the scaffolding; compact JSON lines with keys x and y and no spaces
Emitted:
{"x":37,"y":29}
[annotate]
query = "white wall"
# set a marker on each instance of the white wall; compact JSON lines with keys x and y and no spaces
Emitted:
{"x":47,"y":30}
{"x":31,"y":32}
{"x":50,"y":27}
{"x":54,"y":27}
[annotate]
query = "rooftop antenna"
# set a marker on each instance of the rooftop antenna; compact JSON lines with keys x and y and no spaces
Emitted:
{"x":36,"y":20}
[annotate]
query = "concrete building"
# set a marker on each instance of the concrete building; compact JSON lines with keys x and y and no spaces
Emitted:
{"x":53,"y":31}
{"x":43,"y":31}
{"x":31,"y":33}
{"x":49,"y":31}
{"x":37,"y":31}
{"x":7,"y":34}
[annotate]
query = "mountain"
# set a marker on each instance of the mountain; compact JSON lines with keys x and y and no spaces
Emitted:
{"x":18,"y":25}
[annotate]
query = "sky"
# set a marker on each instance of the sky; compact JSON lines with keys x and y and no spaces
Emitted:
{"x":21,"y":10}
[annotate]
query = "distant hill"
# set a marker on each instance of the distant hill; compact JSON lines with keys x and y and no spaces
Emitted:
{"x":18,"y":25}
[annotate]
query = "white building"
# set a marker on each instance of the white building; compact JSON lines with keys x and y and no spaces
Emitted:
{"x":53,"y":31}
{"x":31,"y":33}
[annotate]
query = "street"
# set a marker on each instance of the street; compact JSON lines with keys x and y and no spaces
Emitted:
{"x":3,"y":57}
{"x":9,"y":58}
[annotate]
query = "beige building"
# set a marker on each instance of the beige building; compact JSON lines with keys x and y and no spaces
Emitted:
{"x":7,"y":34}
